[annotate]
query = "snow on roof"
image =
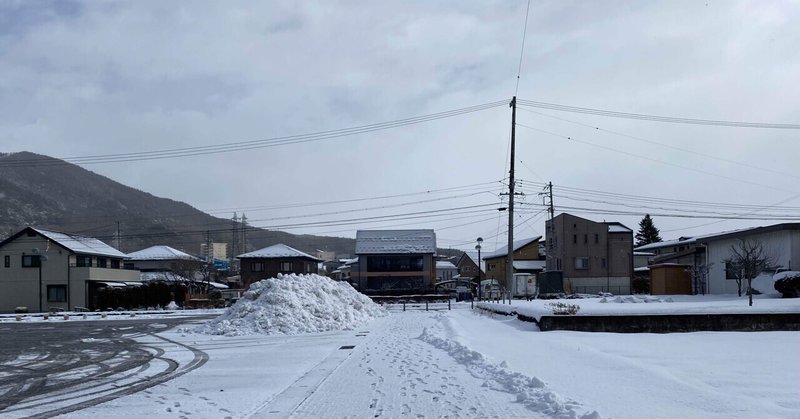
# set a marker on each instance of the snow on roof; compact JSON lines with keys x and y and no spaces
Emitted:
{"x":443,"y":264}
{"x":395,"y":241}
{"x":529,"y":265}
{"x":160,"y":253}
{"x":276,"y":251}
{"x":614,"y":227}
{"x":504,"y":250}
{"x":162,"y":276}
{"x":81,"y":244}
{"x":644,"y":254}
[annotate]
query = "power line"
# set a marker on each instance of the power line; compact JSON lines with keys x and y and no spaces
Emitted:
{"x":522,"y":48}
{"x":633,"y":137}
{"x":655,"y":118}
{"x":249,"y":145}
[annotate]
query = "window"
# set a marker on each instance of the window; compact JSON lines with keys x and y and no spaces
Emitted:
{"x":596,"y":238}
{"x":31,"y":261}
{"x":286,"y":266}
{"x":558,"y":264}
{"x":395,"y":263}
{"x":114,"y":264}
{"x":582,"y":263}
{"x":603,"y":262}
{"x":574,"y":239}
{"x":7,"y":261}
{"x":56,"y":293}
{"x":83,"y":261}
{"x":732,"y":270}
{"x":257,"y":266}
{"x":585,"y":238}
{"x":102,"y":262}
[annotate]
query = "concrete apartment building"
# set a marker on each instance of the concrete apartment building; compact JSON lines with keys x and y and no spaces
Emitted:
{"x":395,"y":262}
{"x":218,"y":251}
{"x":44,"y":270}
{"x":593,"y":256}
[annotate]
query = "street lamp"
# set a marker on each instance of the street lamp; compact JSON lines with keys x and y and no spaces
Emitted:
{"x":478,"y":248}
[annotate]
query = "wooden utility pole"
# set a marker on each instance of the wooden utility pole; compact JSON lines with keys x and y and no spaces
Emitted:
{"x":510,"y":256}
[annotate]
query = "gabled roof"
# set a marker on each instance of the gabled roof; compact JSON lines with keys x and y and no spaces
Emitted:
{"x":277,"y":251}
{"x":72,"y":242}
{"x":443,"y":264}
{"x":160,"y":253}
{"x":395,"y":241}
{"x":615,"y":227}
{"x":518,"y":244}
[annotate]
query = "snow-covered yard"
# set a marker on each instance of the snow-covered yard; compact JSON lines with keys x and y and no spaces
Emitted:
{"x":466,"y":363}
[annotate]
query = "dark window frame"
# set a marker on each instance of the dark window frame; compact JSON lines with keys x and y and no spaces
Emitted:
{"x":31,"y":261}
{"x":83,"y":261}
{"x":257,"y":267}
{"x":7,"y":261}
{"x":56,"y":293}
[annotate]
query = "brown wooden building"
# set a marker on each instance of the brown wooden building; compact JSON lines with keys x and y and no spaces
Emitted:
{"x":524,"y":250}
{"x":273,"y":260}
{"x":395,"y":262}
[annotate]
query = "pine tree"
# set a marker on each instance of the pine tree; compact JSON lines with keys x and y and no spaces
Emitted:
{"x":648,"y":233}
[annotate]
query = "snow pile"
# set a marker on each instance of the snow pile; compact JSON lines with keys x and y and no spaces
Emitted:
{"x":765,"y":283}
{"x":293,"y":304}
{"x":530,"y":391}
{"x":637,"y":299}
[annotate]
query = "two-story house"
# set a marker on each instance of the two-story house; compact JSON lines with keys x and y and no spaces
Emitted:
{"x":273,"y":260}
{"x":43,"y":270}
{"x":527,"y":259}
{"x":395,"y":262}
{"x":593,"y":256}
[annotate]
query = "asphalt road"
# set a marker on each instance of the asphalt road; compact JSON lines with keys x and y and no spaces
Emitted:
{"x":47,"y":369}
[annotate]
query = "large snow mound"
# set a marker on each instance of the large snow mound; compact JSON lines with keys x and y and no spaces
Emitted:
{"x":294,"y":304}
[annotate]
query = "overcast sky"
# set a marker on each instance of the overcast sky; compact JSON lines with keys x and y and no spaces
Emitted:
{"x":95,"y":78}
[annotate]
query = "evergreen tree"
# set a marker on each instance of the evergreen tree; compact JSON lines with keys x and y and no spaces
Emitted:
{"x":648,"y":233}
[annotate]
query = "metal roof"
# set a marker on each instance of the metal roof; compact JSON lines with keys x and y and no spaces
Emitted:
{"x":277,"y":251}
{"x":395,"y":241}
{"x":160,"y":253}
{"x":80,"y":244}
{"x":518,"y":244}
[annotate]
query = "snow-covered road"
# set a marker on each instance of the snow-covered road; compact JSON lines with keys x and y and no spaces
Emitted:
{"x":462,"y":363}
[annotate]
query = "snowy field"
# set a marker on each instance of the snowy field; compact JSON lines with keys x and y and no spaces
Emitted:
{"x":465,"y":364}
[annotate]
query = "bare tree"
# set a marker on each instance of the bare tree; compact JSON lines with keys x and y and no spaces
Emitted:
{"x":699,"y":276}
{"x":747,"y":259}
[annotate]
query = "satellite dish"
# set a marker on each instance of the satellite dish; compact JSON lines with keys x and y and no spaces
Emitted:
{"x":35,"y":251}
{"x":43,"y":258}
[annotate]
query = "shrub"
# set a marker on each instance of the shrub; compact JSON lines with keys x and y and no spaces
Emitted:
{"x":641,"y":285}
{"x":564,"y":309}
{"x":789,"y":286}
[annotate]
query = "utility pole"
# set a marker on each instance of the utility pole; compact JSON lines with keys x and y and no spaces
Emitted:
{"x":244,"y":233}
{"x":550,"y":190}
{"x":118,"y":238}
{"x":234,"y":247}
{"x":510,"y":256}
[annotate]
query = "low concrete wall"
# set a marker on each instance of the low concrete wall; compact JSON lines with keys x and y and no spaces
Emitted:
{"x":672,"y":323}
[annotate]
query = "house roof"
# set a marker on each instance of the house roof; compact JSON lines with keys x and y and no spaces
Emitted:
{"x":530,"y":265}
{"x":160,"y":253}
{"x":518,"y":244}
{"x":395,"y":241}
{"x":277,"y":251}
{"x":72,"y":242}
{"x":719,"y":236}
{"x":615,"y":227}
{"x":443,"y":264}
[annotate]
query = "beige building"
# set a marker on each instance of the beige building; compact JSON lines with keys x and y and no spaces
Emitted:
{"x":43,"y":270}
{"x":593,"y":256}
{"x":218,"y":251}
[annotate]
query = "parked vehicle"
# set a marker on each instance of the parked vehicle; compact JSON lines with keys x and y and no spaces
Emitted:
{"x":524,"y":286}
